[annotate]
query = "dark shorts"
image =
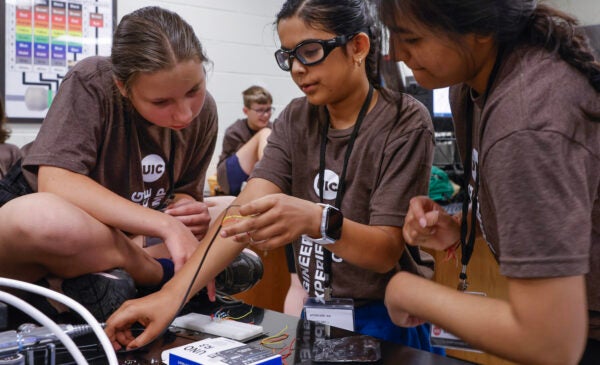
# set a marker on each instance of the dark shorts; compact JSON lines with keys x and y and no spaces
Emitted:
{"x":13,"y":185}
{"x":235,"y":175}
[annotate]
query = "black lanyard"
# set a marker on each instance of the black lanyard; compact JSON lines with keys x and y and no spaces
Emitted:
{"x":342,"y":181}
{"x":171,"y":172}
{"x":468,"y":243}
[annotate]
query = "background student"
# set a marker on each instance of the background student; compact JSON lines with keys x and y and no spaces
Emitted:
{"x":526,"y":108}
{"x":119,"y":163}
{"x":245,"y":140}
{"x":360,"y":149}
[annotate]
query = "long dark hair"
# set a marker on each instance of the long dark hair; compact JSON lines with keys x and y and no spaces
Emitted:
{"x":508,"y":21}
{"x":151,"y":39}
{"x":341,"y":17}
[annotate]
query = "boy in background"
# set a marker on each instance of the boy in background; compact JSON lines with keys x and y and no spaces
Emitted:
{"x":245,"y":140}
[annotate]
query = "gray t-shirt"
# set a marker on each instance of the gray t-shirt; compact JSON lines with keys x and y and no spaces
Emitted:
{"x":236,"y":135}
{"x":9,"y":155}
{"x":539,"y":165}
{"x":93,"y":130}
{"x":390,"y":163}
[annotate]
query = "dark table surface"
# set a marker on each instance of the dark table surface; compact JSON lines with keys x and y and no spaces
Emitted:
{"x":297,"y":348}
{"x":301,"y":337}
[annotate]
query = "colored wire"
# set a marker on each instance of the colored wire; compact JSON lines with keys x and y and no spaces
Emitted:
{"x":233,"y":216}
{"x":287,"y":350}
{"x":242,"y":316}
{"x":276,"y":339}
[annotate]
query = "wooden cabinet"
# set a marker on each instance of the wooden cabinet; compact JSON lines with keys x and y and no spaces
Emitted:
{"x":483,"y":276}
{"x":270,"y":292}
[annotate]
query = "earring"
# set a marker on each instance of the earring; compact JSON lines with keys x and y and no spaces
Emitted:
{"x":358,"y":62}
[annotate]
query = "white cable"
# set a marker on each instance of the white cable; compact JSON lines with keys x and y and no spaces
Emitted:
{"x":45,"y":321}
{"x":81,"y":310}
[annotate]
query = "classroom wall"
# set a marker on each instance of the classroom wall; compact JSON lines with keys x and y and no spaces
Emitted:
{"x":239,"y":38}
{"x":587,"y":11}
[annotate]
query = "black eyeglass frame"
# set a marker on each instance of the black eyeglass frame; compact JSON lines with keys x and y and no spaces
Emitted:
{"x":327,"y":44}
{"x":270,"y":109}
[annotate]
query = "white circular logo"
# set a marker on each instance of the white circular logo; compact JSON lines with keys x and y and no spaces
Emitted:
{"x":330,"y":188}
{"x":153,"y":167}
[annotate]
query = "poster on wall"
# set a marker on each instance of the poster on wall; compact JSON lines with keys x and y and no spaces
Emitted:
{"x":42,"y":40}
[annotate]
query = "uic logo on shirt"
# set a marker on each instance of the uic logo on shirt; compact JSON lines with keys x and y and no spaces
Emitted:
{"x":153,"y":167}
{"x":331,"y":183}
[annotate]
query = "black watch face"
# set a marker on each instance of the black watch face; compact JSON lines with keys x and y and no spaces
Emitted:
{"x":335,"y":218}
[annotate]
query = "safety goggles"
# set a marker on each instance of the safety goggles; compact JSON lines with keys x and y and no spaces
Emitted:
{"x":310,"y":52}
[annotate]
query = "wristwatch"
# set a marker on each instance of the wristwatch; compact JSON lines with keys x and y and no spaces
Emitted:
{"x":331,"y":225}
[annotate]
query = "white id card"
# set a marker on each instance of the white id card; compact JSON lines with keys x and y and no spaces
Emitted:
{"x":442,"y":338}
{"x":336,"y":312}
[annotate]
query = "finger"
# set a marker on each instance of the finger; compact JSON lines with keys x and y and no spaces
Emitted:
{"x":210,"y":203}
{"x":258,"y":206}
{"x":179,"y":203}
{"x":431,"y":219}
{"x":211,"y":290}
{"x":241,"y":226}
{"x":116,"y":345}
{"x":244,"y":238}
{"x":124,"y":337}
{"x":143,"y":339}
{"x":271,"y":243}
{"x":189,"y":209}
{"x":198,"y":225}
{"x":178,"y":263}
{"x":417,"y":209}
{"x":199,"y":232}
{"x":408,"y":234}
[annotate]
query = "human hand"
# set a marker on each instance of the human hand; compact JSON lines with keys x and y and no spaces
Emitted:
{"x":394,"y":295}
{"x":180,"y":242}
{"x":428,"y":225}
{"x":273,"y":221}
{"x":143,"y":311}
{"x":211,"y":290}
{"x":193,"y":214}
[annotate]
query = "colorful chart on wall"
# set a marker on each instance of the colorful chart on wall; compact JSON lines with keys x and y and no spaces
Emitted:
{"x":43,"y":40}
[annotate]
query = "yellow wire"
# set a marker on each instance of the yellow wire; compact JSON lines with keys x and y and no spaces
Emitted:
{"x":233,"y":216}
{"x":267,"y":341}
{"x":240,"y":317}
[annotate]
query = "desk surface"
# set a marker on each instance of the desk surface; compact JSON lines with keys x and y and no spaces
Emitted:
{"x":303,"y":333}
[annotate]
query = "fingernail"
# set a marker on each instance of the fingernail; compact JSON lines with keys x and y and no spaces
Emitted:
{"x":224,"y":234}
{"x":423,"y":222}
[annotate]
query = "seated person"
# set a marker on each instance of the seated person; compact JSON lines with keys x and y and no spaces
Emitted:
{"x":357,"y":148}
{"x":245,"y":140}
{"x":112,"y":187}
{"x":9,"y":153}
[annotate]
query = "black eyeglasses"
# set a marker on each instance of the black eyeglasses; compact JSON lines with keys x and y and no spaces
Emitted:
{"x":264,"y":110}
{"x":310,"y":52}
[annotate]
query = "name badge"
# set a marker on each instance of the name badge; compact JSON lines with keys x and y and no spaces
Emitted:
{"x":442,"y":338}
{"x":336,"y":312}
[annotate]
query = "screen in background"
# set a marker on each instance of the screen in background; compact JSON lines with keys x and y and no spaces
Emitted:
{"x":441,"y":103}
